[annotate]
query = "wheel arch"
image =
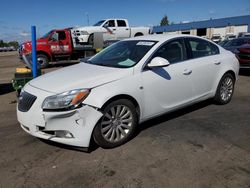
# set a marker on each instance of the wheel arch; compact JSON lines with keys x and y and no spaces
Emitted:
{"x":44,"y":53}
{"x":219,"y":78}
{"x":138,"y":34}
{"x":124,"y":96}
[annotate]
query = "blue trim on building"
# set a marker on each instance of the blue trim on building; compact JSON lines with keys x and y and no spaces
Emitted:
{"x":213,"y":23}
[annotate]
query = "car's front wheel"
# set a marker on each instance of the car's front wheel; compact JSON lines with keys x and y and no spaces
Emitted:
{"x":225,"y":89}
{"x":117,"y":125}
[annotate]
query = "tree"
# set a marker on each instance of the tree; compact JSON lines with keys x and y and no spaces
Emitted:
{"x":14,"y":44}
{"x":1,"y":43}
{"x":164,"y":20}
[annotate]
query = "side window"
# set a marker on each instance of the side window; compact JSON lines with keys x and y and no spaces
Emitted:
{"x":111,"y":23}
{"x":61,"y":35}
{"x":121,"y":23}
{"x":174,"y":51}
{"x":201,"y":48}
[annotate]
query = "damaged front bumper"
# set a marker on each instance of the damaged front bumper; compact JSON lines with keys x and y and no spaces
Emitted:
{"x":72,"y":127}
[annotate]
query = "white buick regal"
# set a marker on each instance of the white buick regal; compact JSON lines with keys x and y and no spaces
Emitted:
{"x":134,"y":80}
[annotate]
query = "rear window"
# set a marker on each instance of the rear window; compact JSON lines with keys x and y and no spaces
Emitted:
{"x":201,"y":48}
{"x":121,"y":23}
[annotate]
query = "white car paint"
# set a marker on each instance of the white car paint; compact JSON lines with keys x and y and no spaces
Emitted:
{"x":156,"y":91}
{"x":115,"y":32}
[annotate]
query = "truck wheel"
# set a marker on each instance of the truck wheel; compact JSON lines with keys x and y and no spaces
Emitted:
{"x":91,"y":39}
{"x":117,"y":126}
{"x":42,"y":61}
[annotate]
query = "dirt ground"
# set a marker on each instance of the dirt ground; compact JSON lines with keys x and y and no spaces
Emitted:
{"x":201,"y":146}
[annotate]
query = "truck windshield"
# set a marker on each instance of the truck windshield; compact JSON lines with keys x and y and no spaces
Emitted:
{"x":99,"y":23}
{"x":122,"y":54}
{"x":47,"y":35}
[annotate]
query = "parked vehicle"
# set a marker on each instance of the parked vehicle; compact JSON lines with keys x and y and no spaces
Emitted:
{"x":244,"y":56}
{"x":72,"y":43}
{"x":112,"y":29}
{"x":7,"y":49}
{"x":243,"y":34}
{"x":125,"y":84}
{"x":216,"y":38}
{"x":234,"y":44}
{"x":230,"y":36}
{"x":58,"y":44}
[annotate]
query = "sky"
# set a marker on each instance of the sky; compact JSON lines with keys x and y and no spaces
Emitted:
{"x":17,"y":16}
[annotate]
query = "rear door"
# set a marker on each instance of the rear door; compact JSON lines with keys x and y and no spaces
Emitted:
{"x":205,"y":61}
{"x":122,"y":30}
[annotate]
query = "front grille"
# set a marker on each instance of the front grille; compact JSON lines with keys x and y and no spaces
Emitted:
{"x":25,"y":101}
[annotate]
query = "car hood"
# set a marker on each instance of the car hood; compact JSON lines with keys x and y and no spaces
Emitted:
{"x":78,"y":76}
{"x":90,"y":28}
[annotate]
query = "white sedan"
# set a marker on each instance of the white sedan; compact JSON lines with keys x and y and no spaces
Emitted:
{"x":134,"y":80}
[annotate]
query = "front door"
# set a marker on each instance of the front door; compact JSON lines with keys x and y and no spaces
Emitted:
{"x":166,"y":88}
{"x":60,"y":43}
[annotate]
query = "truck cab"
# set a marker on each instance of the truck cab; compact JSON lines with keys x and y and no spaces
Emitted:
{"x":56,"y":44}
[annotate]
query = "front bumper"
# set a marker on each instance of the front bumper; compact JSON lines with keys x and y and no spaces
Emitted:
{"x":68,"y":127}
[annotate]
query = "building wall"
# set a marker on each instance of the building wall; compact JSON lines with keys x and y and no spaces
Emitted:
{"x":220,"y":26}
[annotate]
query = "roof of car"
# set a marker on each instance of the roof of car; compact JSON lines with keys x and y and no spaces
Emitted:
{"x":161,"y":37}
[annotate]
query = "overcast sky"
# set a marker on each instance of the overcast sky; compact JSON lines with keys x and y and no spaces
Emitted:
{"x":16,"y":16}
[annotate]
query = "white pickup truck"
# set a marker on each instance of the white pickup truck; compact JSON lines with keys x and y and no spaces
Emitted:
{"x":112,"y":29}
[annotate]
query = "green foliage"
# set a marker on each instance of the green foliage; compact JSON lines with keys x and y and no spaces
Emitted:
{"x":15,"y":44}
{"x":164,"y":20}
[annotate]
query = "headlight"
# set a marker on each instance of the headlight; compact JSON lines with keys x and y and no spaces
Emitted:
{"x":84,"y":33}
{"x":67,"y":100}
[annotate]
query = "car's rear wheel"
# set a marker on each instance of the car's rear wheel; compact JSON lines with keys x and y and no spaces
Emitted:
{"x":225,"y":89}
{"x":117,"y":125}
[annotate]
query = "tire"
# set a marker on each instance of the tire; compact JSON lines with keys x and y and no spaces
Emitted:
{"x":225,"y":89}
{"x":42,"y":61}
{"x":91,"y":39}
{"x":110,"y":131}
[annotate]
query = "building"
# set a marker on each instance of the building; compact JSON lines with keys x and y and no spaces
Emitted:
{"x":207,"y":28}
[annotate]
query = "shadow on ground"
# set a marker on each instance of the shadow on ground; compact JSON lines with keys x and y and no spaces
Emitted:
{"x":6,"y":88}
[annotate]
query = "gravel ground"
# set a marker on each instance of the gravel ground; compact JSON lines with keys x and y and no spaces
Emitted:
{"x":203,"y":145}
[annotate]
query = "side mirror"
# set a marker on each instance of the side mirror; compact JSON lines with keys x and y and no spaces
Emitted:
{"x":158,"y":62}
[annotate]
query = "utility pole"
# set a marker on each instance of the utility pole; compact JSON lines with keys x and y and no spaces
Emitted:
{"x":87,"y":16}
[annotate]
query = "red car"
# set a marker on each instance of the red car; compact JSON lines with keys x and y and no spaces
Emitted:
{"x":244,"y":56}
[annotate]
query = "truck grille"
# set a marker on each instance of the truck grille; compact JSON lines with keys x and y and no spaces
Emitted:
{"x":25,"y":101}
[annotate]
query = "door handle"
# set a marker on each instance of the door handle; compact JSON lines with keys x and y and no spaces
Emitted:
{"x":187,"y":72}
{"x":217,"y":63}
{"x":127,"y":29}
{"x":114,"y":29}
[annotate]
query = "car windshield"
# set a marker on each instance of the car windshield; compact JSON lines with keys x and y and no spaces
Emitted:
{"x":47,"y":35}
{"x":99,"y":23}
{"x":122,"y":54}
